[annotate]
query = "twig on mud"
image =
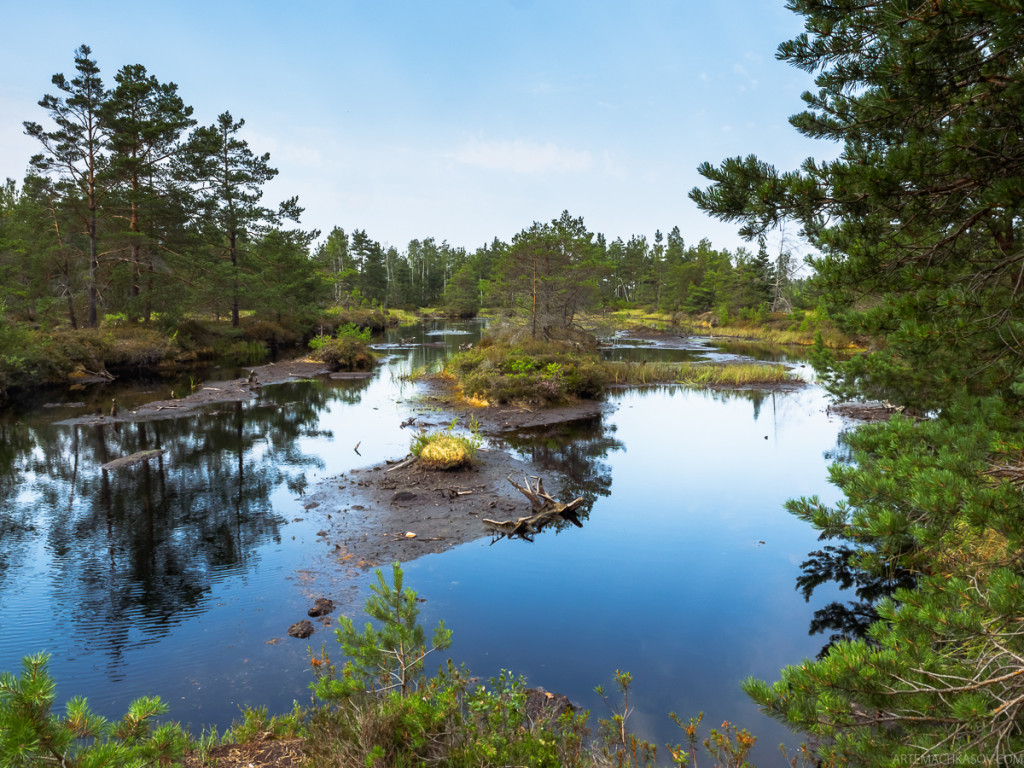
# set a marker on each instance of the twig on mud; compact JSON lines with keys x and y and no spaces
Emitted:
{"x":401,"y":464}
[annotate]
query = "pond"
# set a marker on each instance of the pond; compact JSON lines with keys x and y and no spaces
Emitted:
{"x":179,"y":578}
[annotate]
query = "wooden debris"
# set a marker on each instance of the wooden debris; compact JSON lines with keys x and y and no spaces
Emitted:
{"x":135,"y":458}
{"x":401,"y":464}
{"x":545,"y":509}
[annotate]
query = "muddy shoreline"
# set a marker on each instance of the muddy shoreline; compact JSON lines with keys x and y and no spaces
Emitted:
{"x":213,"y":392}
{"x":370,"y":512}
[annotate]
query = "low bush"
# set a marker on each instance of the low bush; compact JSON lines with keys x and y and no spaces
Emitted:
{"x":272,"y":334}
{"x":537,"y":373}
{"x":346,"y":353}
{"x":135,"y":347}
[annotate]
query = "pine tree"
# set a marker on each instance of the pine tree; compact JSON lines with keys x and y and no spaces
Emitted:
{"x":145,"y":121}
{"x":233,"y":178}
{"x":74,"y":154}
{"x":918,"y":226}
{"x":918,"y":221}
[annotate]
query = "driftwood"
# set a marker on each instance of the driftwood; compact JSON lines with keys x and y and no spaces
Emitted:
{"x":135,"y":458}
{"x":545,"y":509}
{"x":400,"y":464}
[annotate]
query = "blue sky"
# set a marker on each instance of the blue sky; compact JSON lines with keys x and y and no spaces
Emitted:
{"x":460,"y":120}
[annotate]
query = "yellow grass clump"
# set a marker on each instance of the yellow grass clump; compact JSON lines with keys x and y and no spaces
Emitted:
{"x":444,"y":450}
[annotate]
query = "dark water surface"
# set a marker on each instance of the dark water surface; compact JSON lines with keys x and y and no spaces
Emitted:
{"x":180,"y":578}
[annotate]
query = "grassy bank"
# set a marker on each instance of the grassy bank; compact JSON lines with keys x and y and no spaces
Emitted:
{"x":33,"y":357}
{"x":794,"y":328}
{"x":697,"y":375}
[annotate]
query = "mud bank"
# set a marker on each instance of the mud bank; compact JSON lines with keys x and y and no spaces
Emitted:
{"x":212,"y":392}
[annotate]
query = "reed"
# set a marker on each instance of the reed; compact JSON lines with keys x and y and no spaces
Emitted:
{"x":773,"y":335}
{"x":697,"y":375}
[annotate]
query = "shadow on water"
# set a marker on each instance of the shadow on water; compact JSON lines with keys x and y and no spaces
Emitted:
{"x":834,"y":565}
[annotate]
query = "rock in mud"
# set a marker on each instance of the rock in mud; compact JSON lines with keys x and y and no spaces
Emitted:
{"x":301,"y":629}
{"x":322,"y":607}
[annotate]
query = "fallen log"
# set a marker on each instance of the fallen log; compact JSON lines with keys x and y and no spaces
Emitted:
{"x":545,"y":510}
{"x":135,"y":458}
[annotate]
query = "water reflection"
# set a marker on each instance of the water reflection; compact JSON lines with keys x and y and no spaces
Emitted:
{"x":133,"y":549}
{"x":575,"y":451}
{"x":180,"y":578}
{"x":848,"y":620}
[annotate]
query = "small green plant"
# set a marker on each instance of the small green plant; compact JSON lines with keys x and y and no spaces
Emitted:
{"x":353,"y":331}
{"x":256,"y":723}
{"x":383,"y":658}
{"x":619,"y":746}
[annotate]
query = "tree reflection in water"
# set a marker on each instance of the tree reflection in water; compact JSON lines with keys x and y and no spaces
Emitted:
{"x":135,"y":549}
{"x":574,"y":451}
{"x":832,"y":564}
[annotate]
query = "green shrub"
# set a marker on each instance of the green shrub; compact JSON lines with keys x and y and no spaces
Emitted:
{"x":380,"y":709}
{"x":538,"y":373}
{"x":343,"y":354}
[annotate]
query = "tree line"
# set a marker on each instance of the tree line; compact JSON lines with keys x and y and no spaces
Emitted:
{"x":133,"y":209}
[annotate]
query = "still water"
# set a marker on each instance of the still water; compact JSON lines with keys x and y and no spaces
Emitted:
{"x":180,"y":578}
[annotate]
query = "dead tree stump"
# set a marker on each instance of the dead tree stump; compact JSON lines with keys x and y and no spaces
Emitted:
{"x":544,"y":508}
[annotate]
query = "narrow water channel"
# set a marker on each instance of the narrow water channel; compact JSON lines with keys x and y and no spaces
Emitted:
{"x":179,"y":579}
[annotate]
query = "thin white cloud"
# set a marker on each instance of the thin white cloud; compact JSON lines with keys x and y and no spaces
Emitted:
{"x":524,"y":157}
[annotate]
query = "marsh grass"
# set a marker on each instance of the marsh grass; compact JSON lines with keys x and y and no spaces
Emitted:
{"x":773,"y":335}
{"x":697,"y":375}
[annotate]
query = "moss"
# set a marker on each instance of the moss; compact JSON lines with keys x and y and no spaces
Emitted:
{"x":445,"y":451}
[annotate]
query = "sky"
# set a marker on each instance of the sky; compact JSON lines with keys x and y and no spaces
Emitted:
{"x":461,"y":120}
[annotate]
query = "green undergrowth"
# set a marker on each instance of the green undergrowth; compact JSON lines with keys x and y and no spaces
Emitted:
{"x":347,"y":350}
{"x":533,"y":372}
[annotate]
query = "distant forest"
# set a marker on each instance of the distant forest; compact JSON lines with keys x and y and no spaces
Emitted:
{"x":133,"y":210}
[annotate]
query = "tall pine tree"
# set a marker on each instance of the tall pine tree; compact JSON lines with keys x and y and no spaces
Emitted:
{"x":74,"y":154}
{"x":919,"y":229}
